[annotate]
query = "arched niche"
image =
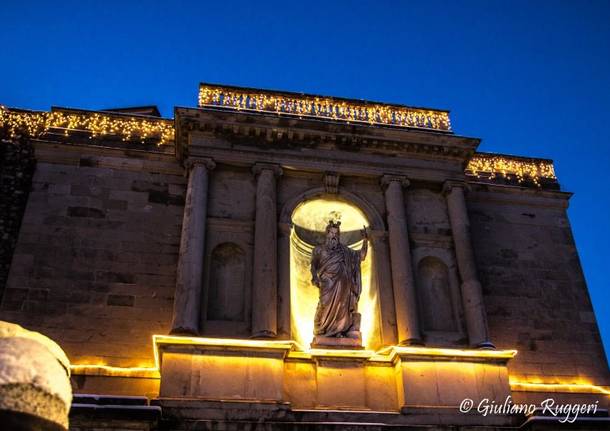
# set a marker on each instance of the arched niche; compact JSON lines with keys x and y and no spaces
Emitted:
{"x":308,"y":221}
{"x":436,"y":306}
{"x":226,"y":300}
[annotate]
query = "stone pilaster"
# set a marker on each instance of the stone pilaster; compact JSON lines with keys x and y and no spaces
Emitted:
{"x":284,"y":330}
{"x":187,"y":300}
{"x":472,"y":294}
{"x":405,"y":298}
{"x":383,"y":277}
{"x":264,"y":298}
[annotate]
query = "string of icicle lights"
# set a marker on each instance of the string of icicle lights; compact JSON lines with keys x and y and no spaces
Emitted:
{"x":97,"y":124}
{"x":522,"y":169}
{"x":132,"y":128}
{"x":323,"y":107}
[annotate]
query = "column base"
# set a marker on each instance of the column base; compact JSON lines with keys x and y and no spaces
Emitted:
{"x":184,"y":331}
{"x":263,"y":335}
{"x":486,"y":345}
{"x":412,"y":342}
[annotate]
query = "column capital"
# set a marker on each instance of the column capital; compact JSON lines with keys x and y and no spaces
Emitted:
{"x":191,"y":162}
{"x":260,"y":167}
{"x":451,"y":184}
{"x":388,"y":178}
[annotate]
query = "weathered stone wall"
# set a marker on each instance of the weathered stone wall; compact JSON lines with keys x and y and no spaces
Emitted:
{"x":16,"y":170}
{"x":535,"y":293}
{"x":94,"y":267}
{"x":95,"y":263}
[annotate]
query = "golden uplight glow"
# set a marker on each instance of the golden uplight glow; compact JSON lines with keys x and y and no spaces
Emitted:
{"x":386,"y":354}
{"x":303,"y":105}
{"x":462,"y":353}
{"x":585,"y":388}
{"x":219,"y":342}
{"x":310,"y":220}
{"x":107,"y":370}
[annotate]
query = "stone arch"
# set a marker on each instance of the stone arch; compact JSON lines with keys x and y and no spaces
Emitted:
{"x":226,"y":296}
{"x":371,"y":213}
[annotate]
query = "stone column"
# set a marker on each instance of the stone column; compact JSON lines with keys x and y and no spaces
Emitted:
{"x":264,"y":297}
{"x":383,"y":277}
{"x":405,"y":298}
{"x":187,"y":300}
{"x":283,"y":324}
{"x":472,"y":294}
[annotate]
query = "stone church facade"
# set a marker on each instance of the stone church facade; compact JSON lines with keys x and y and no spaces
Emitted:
{"x":168,"y":258}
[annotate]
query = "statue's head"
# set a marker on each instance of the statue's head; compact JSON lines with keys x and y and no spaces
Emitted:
{"x":333,"y":233}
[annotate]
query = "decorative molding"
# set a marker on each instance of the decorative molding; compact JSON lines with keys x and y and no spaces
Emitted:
{"x":331,"y":182}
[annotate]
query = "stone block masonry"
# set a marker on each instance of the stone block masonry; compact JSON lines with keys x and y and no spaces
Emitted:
{"x":96,"y":258}
{"x":534,"y":288}
{"x":16,"y":170}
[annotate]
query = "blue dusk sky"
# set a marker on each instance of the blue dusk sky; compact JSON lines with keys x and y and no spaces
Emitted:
{"x":528,"y":77}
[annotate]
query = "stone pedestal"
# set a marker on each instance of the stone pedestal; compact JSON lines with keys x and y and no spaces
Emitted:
{"x":350,"y":342}
{"x":222,"y":369}
{"x":442,"y":378}
{"x":341,"y":383}
{"x":274,"y":377}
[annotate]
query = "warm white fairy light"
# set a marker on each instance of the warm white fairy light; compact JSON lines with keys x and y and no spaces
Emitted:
{"x":98,"y":124}
{"x":323,"y":107}
{"x":522,"y":169}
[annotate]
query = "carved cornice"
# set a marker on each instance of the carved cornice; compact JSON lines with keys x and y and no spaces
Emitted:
{"x":252,"y":129}
{"x":283,"y":136}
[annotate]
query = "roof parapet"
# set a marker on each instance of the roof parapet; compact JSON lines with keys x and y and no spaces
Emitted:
{"x":512,"y":170}
{"x":128,"y":127}
{"x":322,"y":107}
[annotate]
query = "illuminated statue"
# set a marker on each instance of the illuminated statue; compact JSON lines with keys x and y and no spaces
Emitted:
{"x":335,"y":270}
